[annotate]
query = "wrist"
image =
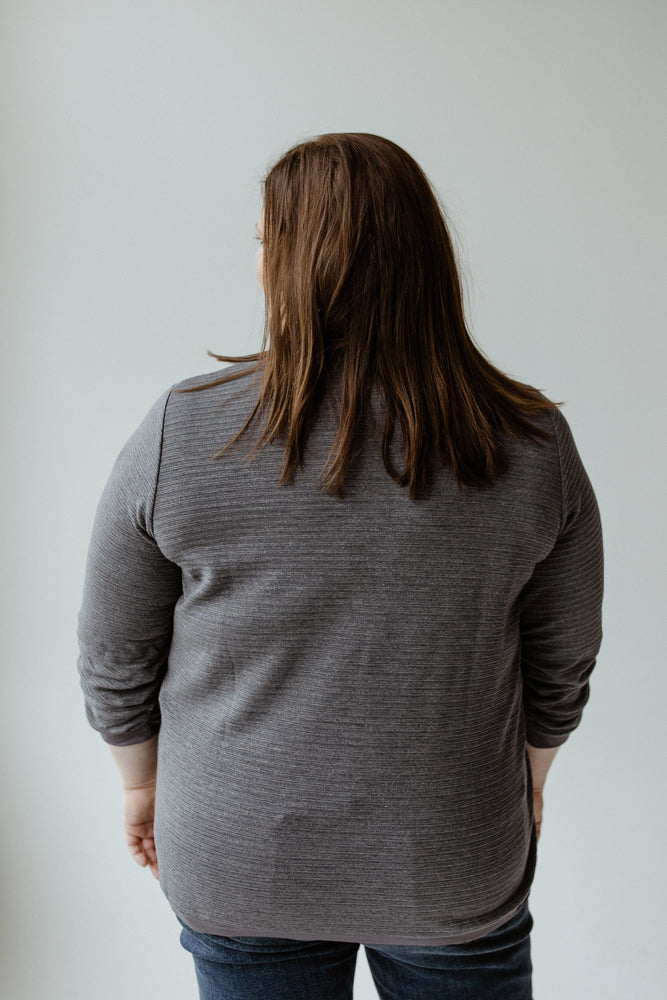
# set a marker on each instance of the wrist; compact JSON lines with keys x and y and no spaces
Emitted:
{"x":142,"y":786}
{"x":137,"y":764}
{"x":540,"y":759}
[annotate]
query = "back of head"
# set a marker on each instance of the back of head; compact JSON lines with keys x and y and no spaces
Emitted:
{"x":362,"y":289}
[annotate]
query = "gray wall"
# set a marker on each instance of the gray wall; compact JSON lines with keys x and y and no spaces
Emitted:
{"x":135,"y":135}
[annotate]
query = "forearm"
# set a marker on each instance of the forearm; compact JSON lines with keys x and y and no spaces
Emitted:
{"x":540,"y":762}
{"x":137,"y":763}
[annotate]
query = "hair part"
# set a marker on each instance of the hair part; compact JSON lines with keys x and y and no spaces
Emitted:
{"x":361,"y":284}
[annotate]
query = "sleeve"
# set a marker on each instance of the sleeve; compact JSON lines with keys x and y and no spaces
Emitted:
{"x":130,"y":588}
{"x":561,"y":608}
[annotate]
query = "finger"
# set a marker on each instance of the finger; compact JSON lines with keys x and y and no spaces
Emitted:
{"x":149,"y":848}
{"x":138,"y":854}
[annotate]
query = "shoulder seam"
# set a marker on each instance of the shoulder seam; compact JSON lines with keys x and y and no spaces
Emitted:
{"x":560,"y":468}
{"x":159,"y":460}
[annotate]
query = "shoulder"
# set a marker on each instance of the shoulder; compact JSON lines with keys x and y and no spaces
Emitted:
{"x":238,"y":369}
{"x":198,"y":393}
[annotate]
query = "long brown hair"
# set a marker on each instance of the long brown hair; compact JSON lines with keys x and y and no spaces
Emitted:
{"x":360,"y":279}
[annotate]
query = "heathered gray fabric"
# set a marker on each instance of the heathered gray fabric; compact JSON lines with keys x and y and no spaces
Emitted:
{"x":343,"y":687}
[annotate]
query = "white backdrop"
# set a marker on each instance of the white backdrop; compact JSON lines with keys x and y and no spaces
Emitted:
{"x":135,"y":134}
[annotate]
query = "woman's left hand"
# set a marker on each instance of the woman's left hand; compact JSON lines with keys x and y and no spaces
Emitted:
{"x":138,"y":815}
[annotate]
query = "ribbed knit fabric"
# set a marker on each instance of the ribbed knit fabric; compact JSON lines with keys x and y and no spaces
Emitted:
{"x":343,"y":687}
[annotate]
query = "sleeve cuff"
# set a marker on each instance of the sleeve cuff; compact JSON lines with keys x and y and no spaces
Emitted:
{"x":545,"y":742}
{"x":140,"y":735}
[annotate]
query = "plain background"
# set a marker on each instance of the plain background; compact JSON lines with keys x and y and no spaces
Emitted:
{"x":135,"y":135}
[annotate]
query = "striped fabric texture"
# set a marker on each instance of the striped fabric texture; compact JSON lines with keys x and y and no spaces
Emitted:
{"x":343,"y":687}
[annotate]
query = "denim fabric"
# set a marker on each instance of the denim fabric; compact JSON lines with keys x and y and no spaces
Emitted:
{"x":494,"y":967}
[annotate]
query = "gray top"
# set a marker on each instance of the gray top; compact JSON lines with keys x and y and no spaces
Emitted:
{"x":343,"y":687}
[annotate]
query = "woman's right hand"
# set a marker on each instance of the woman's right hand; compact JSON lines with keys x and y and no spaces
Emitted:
{"x":540,"y":760}
{"x":537,"y":809}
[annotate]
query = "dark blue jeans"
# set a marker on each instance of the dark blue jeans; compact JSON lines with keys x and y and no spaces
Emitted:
{"x":494,"y":967}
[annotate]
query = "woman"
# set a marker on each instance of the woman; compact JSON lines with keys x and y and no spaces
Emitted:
{"x":360,"y":665}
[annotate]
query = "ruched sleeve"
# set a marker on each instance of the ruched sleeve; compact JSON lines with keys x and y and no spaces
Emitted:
{"x":561,"y":608}
{"x":129,"y":592}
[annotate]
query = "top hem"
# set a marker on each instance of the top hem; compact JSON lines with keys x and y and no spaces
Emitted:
{"x":202,"y":926}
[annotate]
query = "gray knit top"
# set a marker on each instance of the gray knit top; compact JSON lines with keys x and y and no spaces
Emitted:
{"x":343,"y":687}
